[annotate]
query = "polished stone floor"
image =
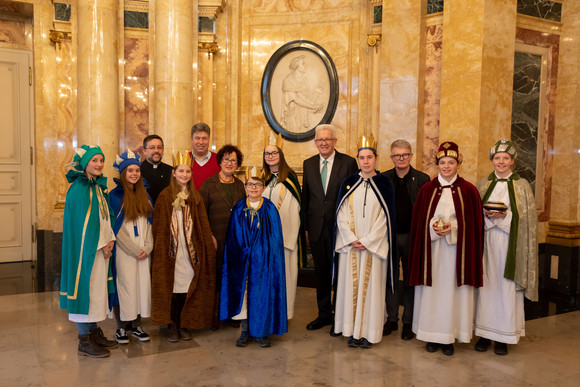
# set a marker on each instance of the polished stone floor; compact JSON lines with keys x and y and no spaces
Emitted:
{"x":38,"y":347}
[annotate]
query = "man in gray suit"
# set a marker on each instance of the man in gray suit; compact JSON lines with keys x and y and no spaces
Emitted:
{"x":323,"y":174}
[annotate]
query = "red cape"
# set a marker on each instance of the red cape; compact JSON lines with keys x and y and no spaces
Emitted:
{"x":469,"y":213}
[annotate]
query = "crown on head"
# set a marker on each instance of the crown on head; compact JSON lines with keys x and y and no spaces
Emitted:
{"x":181,"y":158}
{"x":367,"y":142}
{"x":272,"y":139}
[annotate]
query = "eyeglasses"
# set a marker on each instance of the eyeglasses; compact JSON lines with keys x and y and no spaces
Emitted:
{"x":271,"y":154}
{"x":254,"y":185}
{"x":404,"y":156}
{"x":229,"y":161}
{"x":153,"y":147}
{"x":323,"y":140}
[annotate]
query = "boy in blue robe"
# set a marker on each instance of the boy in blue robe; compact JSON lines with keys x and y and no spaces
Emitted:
{"x":253,"y":278}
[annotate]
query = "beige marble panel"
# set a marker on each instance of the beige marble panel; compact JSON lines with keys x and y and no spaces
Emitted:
{"x":566,"y":172}
{"x":402,"y":50}
{"x":262,"y":6}
{"x":54,"y":129}
{"x":264,"y":39}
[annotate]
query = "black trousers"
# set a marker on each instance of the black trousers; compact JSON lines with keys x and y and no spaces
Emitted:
{"x":177,"y":303}
{"x":408,"y":291}
{"x":323,"y":255}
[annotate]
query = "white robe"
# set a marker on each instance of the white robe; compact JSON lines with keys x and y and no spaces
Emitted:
{"x":368,"y":318}
{"x":289,"y":210}
{"x":499,"y":306}
{"x":133,"y":275}
{"x":443,"y":312}
{"x":98,"y":292}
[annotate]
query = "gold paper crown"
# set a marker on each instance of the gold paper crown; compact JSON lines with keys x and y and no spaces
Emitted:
{"x":181,"y":158}
{"x":254,"y":172}
{"x":366,"y":142}
{"x":276,"y":140}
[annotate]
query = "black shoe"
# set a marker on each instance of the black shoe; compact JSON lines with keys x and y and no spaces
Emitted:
{"x":364,"y":343}
{"x":140,"y":334}
{"x":500,"y":348}
{"x":432,"y":347}
{"x":184,"y":334}
{"x":389,"y":327}
{"x":263,"y":342}
{"x":319,"y":323}
{"x":447,"y":349}
{"x":333,"y":333}
{"x":87,"y":347}
{"x":243,"y":340}
{"x":407,"y":333}
{"x":99,"y":338}
{"x":482,"y":344}
{"x":121,"y":336}
{"x":352,"y":342}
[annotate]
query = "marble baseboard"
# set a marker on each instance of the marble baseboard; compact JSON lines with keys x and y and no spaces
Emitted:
{"x":49,"y":251}
{"x":559,"y":269}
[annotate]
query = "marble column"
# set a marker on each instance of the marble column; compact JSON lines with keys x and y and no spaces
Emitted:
{"x":402,"y":56}
{"x":174,"y":104}
{"x":565,"y":205}
{"x":476,"y":78}
{"x":97,"y":71}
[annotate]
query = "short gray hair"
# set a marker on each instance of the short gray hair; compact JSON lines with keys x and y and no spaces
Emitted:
{"x":326,"y":127}
{"x":404,"y":144}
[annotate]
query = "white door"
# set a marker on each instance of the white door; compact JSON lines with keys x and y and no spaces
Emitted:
{"x":16,"y":157}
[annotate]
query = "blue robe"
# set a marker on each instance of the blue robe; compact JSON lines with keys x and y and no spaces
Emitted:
{"x":255,"y":251}
{"x":80,"y":236}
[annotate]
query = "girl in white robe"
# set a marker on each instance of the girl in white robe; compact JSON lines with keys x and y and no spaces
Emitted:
{"x":283,"y":189}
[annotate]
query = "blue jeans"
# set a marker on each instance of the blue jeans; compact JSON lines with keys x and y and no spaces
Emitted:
{"x":86,"y":328}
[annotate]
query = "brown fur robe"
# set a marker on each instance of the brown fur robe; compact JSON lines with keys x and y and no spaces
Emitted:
{"x":198,"y":309}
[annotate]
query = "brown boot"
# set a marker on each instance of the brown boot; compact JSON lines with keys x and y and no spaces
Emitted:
{"x":99,"y":338}
{"x":88,"y":347}
{"x":172,"y":333}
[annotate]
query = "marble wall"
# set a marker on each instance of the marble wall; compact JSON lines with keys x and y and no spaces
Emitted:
{"x":408,"y":65}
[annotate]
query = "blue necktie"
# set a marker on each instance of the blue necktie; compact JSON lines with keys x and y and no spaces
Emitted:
{"x":323,"y":173}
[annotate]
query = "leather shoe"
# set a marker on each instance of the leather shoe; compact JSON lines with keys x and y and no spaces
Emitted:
{"x":318,"y":323}
{"x":432,"y":347}
{"x":500,"y":348}
{"x":364,"y":343}
{"x":352,"y":342}
{"x":407,"y":333}
{"x":333,"y":333}
{"x":482,"y":344}
{"x":389,"y":327}
{"x":447,"y":349}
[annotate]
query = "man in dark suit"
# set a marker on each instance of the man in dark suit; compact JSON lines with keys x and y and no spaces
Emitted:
{"x":323,"y":174}
{"x":407,"y":181}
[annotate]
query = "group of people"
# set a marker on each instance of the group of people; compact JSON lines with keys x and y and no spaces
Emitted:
{"x":192,"y":246}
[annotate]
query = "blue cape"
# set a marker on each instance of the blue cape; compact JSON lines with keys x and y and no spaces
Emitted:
{"x":255,"y":252}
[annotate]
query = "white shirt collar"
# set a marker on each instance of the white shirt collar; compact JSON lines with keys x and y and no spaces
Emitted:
{"x":330,"y":159}
{"x":444,"y":182}
{"x":203,"y":159}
